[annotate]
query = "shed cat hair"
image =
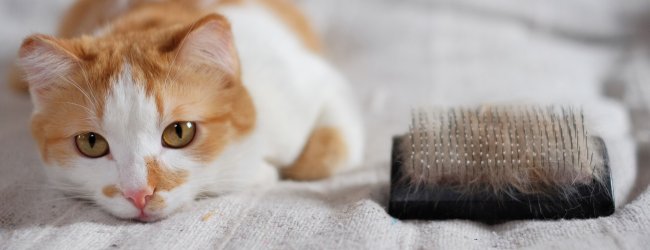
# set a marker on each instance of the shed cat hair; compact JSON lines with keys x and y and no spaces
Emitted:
{"x":499,"y":148}
{"x":144,"y":105}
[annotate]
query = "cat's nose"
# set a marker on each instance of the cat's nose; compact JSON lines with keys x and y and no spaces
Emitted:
{"x":139,"y":197}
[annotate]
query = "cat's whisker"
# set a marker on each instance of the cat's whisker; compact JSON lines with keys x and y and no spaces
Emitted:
{"x":92,"y":115}
{"x":85,"y":74}
{"x":50,"y":186}
{"x":73,"y":198}
{"x":88,"y":111}
{"x":73,"y":83}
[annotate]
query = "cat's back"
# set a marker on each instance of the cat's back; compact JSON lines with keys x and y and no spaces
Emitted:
{"x":92,"y":16}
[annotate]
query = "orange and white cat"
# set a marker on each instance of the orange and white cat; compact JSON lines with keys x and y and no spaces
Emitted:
{"x":144,"y":104}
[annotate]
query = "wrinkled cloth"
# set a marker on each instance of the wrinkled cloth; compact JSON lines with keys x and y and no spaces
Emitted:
{"x":397,"y":55}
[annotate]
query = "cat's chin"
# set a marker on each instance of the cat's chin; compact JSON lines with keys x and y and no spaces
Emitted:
{"x":132,"y":214}
{"x":140,"y":217}
{"x":146,"y":218}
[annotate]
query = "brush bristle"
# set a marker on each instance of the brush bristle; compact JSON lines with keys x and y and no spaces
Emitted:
{"x":501,"y":149}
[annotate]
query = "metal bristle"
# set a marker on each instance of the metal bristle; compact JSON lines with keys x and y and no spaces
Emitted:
{"x":499,"y":147}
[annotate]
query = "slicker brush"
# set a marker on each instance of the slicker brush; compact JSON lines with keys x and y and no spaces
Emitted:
{"x":495,"y":163}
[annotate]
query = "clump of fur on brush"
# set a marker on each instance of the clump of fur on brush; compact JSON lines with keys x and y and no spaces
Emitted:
{"x":503,"y":150}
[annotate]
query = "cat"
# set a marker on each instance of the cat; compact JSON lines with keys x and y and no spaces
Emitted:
{"x":143,"y":105}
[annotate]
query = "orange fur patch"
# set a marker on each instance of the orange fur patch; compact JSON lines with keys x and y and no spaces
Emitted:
{"x":163,"y":179}
{"x":156,"y":203}
{"x":110,"y":191}
{"x":85,"y":16}
{"x":15,"y":80}
{"x":218,"y":130}
{"x":321,"y":156}
{"x":293,"y":17}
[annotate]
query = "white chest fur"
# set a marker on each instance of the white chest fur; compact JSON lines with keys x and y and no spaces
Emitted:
{"x":293,"y":89}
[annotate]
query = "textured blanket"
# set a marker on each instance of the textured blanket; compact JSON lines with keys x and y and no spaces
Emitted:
{"x":398,"y":55}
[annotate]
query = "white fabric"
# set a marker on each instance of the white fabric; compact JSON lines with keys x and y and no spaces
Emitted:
{"x":398,"y":55}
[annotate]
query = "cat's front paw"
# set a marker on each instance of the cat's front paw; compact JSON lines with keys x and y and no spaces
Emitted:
{"x":267,"y":176}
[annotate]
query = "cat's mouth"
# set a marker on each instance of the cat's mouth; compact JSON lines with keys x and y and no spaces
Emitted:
{"x":147,"y":215}
{"x":143,"y":216}
{"x":150,"y":214}
{"x":152,"y":208}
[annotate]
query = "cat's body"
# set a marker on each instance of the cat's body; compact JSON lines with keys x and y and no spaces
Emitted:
{"x":259,"y":100}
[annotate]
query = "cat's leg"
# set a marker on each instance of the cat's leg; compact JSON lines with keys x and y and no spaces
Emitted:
{"x":335,"y":143}
{"x":245,"y":175}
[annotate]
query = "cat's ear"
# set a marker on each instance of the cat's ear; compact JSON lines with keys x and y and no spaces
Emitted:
{"x":44,"y":60}
{"x":209,"y":41}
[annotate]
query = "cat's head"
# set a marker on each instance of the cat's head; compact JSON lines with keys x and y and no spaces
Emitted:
{"x":139,"y":123}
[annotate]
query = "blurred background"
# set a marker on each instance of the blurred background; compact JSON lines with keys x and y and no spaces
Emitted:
{"x":409,"y":53}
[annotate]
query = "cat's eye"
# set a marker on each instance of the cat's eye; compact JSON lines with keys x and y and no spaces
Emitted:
{"x":91,"y":144}
{"x":178,"y":134}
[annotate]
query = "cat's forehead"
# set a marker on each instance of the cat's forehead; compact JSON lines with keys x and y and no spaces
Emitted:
{"x":130,"y":111}
{"x":104,"y":58}
{"x":128,"y":98}
{"x":115,"y":82}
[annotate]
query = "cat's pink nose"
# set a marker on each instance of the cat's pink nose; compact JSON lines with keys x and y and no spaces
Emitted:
{"x":140,"y":197}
